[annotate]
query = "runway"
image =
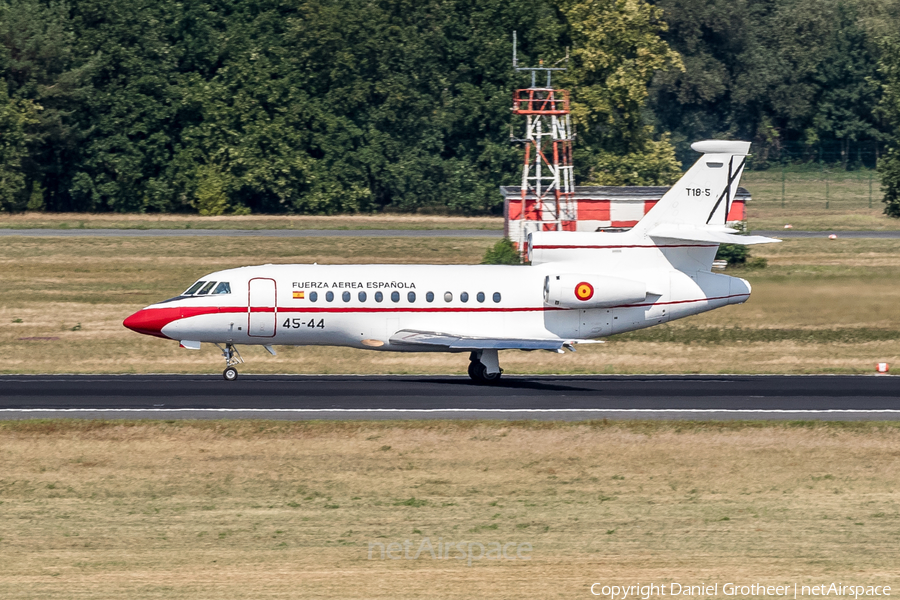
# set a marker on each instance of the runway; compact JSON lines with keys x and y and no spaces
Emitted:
{"x":577,"y":397}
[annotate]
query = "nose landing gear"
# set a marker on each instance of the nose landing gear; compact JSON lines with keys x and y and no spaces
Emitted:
{"x":232,"y":358}
{"x":484,"y":366}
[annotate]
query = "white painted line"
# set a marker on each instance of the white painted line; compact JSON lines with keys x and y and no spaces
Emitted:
{"x":462,"y":410}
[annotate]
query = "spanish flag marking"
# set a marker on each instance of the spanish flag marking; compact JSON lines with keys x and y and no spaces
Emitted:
{"x":299,"y":295}
{"x":584,"y":291}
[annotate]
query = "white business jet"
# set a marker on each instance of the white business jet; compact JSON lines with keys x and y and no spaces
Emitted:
{"x":578,"y":288}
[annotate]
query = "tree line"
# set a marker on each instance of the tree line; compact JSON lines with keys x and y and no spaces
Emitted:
{"x":332,"y":106}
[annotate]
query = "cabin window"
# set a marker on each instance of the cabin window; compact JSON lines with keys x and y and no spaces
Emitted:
{"x":496,"y":296}
{"x":464,"y":297}
{"x":223,"y":288}
{"x":362,"y":296}
{"x":395,"y":296}
{"x":429,"y":297}
{"x":194,"y":288}
{"x":448,"y":297}
{"x":313,"y":296}
{"x":206,"y":288}
{"x":345,"y":296}
{"x":411,"y":296}
{"x":329,"y":296}
{"x":379,"y":296}
{"x":480,"y":297}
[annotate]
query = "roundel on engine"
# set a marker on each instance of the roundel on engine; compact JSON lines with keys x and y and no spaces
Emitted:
{"x":584,"y":291}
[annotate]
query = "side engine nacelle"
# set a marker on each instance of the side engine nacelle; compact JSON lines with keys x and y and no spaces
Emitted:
{"x":591,"y":291}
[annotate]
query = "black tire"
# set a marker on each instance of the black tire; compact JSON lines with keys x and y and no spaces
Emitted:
{"x":230,"y":374}
{"x":490,"y":377}
{"x":476,"y":370}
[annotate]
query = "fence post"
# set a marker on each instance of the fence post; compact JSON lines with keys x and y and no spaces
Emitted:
{"x":870,"y":189}
{"x":782,"y":184}
{"x":827,"y":199}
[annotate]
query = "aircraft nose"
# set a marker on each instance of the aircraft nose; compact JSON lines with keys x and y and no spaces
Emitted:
{"x":150,"y":321}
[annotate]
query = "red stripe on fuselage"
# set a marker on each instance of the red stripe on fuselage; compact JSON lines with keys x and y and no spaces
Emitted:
{"x":151,"y":320}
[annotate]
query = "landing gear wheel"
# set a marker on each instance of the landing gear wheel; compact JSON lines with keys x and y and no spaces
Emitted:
{"x":491,"y":377}
{"x":232,"y":358}
{"x":478,"y":373}
{"x":475,"y":370}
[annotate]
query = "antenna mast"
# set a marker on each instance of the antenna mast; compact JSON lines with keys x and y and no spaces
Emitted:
{"x":548,"y":186}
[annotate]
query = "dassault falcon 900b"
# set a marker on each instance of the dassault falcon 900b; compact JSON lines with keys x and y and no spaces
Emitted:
{"x":579,"y":287}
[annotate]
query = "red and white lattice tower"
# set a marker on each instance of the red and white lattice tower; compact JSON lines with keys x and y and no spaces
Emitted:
{"x":548,"y":185}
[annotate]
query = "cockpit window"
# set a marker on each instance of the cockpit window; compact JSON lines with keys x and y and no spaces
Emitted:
{"x":194,"y":288}
{"x":223,"y":288}
{"x":206,"y":288}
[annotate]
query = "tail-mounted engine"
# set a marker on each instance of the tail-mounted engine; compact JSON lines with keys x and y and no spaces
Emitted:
{"x":592,"y":291}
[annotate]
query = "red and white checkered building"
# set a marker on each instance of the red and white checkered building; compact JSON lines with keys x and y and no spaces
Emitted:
{"x":597,"y":208}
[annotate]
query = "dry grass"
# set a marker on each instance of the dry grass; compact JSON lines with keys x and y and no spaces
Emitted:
{"x":286,"y":510}
{"x":812,"y":205}
{"x":168,"y":221}
{"x":821,"y":306}
{"x":843,"y":203}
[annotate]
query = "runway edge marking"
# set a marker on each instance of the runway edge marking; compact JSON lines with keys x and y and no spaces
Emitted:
{"x":461,"y":410}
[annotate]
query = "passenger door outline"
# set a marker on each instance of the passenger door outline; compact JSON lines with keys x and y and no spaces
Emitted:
{"x":262,"y":307}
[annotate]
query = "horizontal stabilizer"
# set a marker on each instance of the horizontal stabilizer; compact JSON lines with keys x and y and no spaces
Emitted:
{"x":721,"y":147}
{"x":455,"y":342}
{"x":713,"y":235}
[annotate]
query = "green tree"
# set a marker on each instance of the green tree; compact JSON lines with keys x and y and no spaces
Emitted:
{"x":617,"y":48}
{"x":42,"y":69}
{"x":654,"y":164}
{"x":15,"y":117}
{"x":770,"y":71}
{"x":502,"y":253}
{"x":889,"y":165}
{"x":131,"y":107}
{"x":316,"y":106}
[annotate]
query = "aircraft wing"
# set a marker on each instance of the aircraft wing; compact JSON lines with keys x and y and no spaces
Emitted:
{"x":457,"y":342}
{"x":716,"y":235}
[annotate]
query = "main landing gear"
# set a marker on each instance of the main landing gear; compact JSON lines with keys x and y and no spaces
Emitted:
{"x":484,"y":366}
{"x":232,"y":358}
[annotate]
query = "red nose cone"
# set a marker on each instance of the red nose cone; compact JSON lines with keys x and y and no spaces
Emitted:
{"x":150,"y":321}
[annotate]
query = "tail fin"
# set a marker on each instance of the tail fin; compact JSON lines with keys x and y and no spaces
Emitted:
{"x":696,"y":208}
{"x":704,"y":194}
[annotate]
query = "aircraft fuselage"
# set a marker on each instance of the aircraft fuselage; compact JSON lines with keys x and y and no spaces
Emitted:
{"x":362,"y":306}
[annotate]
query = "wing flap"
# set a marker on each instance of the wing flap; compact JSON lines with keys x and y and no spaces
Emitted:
{"x":455,"y":342}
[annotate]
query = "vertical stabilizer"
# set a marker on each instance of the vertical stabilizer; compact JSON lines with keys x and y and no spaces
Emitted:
{"x":703,"y":196}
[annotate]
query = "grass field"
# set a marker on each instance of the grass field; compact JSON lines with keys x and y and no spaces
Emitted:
{"x":288,"y":510}
{"x":816,"y":201}
{"x":813,"y":200}
{"x":807,"y":199}
{"x":829,"y":306}
{"x":346,"y":222}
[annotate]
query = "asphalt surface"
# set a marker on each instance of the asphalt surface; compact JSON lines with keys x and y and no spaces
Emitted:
{"x":837,"y":397}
